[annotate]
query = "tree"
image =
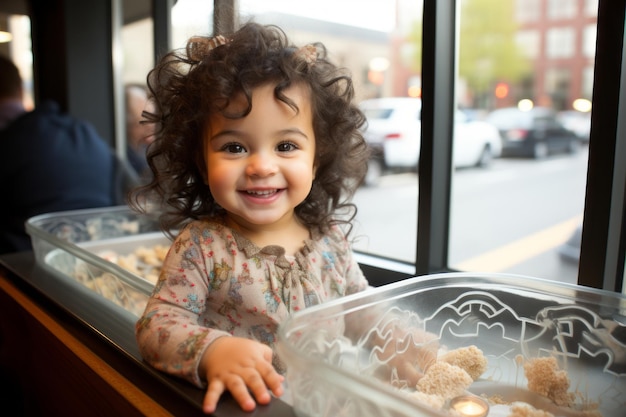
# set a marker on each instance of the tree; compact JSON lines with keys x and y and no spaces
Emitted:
{"x":488,"y":52}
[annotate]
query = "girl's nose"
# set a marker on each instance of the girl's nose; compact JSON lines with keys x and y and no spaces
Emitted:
{"x":261,"y":165}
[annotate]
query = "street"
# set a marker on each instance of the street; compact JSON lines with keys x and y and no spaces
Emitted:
{"x":510,"y":217}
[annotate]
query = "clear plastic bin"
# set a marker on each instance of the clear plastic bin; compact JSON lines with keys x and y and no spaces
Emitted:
{"x":79,"y":244}
{"x":511,"y":319}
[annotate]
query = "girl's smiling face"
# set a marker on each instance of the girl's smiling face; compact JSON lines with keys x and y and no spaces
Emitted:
{"x":260,"y":167}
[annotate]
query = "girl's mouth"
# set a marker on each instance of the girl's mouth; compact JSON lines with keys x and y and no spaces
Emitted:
{"x":265,"y":196}
{"x":261,"y":193}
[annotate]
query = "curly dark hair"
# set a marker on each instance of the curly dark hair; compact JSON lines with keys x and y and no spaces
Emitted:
{"x":189,"y":85}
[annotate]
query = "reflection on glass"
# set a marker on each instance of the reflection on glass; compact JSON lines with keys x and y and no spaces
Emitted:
{"x":20,"y":52}
{"x":189,"y":18}
{"x":523,"y":215}
{"x":138,"y":52}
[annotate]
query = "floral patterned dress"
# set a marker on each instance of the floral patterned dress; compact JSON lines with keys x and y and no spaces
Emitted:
{"x":216,"y":283}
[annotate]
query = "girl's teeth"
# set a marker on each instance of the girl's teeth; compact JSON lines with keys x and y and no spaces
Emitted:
{"x":267,"y":192}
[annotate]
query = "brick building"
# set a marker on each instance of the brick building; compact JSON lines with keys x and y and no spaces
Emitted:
{"x":559,"y":36}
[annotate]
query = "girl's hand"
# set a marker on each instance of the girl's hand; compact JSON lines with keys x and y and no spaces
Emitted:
{"x":243,"y":367}
{"x":410,"y":353}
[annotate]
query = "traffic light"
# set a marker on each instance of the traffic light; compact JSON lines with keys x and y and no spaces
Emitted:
{"x":501,"y":90}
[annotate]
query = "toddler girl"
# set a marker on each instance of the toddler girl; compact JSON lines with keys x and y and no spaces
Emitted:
{"x":256,"y":155}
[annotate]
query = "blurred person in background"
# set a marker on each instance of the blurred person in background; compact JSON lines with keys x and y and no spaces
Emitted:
{"x":49,"y":162}
{"x":138,"y":135}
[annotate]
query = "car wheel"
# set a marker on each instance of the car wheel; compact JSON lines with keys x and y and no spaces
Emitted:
{"x":486,"y":156}
{"x":374,"y":172}
{"x":540,"y":150}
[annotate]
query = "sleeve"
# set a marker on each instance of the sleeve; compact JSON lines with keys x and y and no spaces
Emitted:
{"x":169,"y":334}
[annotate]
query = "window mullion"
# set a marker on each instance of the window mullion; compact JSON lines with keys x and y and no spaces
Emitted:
{"x":603,"y":237}
{"x":435,"y":163}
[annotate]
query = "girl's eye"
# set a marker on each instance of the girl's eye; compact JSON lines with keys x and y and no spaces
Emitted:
{"x":286,"y":147}
{"x":233,"y":148}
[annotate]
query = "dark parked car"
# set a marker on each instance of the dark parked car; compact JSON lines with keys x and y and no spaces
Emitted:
{"x":534,"y":133}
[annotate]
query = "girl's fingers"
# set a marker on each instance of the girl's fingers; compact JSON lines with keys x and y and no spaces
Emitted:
{"x":259,"y":389}
{"x":240,"y":393}
{"x":270,"y":379}
{"x":273,"y":380}
{"x":212,"y":396}
{"x":409,"y":372}
{"x":249,"y":382}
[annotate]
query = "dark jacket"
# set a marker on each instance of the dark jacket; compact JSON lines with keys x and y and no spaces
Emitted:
{"x":52,"y":162}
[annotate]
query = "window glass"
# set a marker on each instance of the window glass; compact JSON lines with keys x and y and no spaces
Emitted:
{"x":377,"y":113}
{"x":527,"y":10}
{"x":562,"y":9}
{"x":560,"y":42}
{"x":591,"y":8}
{"x":529,"y":42}
{"x":379,"y":42}
{"x":190,"y":18}
{"x":136,"y":46}
{"x":557,"y":86}
{"x":18,"y":47}
{"x":587,"y":82}
{"x":360,"y":42}
{"x":589,"y":41}
{"x":138,"y":51}
{"x":522,"y":212}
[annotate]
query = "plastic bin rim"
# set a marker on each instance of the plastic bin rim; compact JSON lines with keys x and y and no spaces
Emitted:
{"x":503,"y":280}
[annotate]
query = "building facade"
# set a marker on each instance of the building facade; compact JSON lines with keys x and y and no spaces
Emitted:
{"x":559,"y":36}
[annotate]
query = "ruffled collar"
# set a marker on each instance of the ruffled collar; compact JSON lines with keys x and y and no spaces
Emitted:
{"x":295,"y":269}
{"x":278,"y":252}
